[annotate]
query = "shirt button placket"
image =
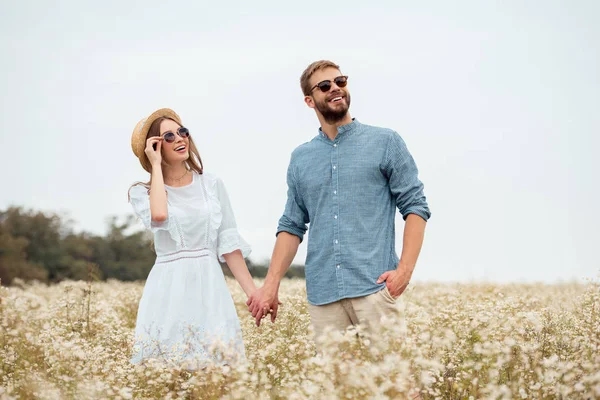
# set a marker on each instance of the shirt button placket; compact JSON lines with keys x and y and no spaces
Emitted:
{"x":335,"y":219}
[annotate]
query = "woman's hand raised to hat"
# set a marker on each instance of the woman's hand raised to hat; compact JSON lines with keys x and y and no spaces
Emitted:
{"x":154,"y":156}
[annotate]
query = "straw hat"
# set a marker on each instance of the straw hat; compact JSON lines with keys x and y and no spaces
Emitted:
{"x":138,"y":137}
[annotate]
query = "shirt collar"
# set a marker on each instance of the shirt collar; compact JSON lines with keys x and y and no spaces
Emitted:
{"x":343,"y":130}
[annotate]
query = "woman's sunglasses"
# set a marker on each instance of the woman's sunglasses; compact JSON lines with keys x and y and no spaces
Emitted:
{"x":170,"y":137}
{"x":325,"y":85}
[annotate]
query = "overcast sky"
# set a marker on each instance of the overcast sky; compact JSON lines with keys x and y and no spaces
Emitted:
{"x":497,"y":101}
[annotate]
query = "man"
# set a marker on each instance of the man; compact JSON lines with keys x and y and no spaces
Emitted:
{"x":346,"y":182}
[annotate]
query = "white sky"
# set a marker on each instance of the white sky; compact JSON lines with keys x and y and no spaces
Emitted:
{"x":498,"y":102}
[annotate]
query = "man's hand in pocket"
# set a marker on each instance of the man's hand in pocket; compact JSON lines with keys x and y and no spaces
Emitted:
{"x":396,"y":281}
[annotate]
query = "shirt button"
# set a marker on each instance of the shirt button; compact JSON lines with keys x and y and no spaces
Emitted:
{"x":336,"y":242}
{"x":334,"y":167}
{"x":335,"y":192}
{"x":335,"y":216}
{"x":335,"y":145}
{"x":337,"y":266}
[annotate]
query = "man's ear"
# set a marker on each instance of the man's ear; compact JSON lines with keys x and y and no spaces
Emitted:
{"x":309,"y":101}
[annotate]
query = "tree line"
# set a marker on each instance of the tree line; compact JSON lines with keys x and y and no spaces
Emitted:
{"x":42,"y":246}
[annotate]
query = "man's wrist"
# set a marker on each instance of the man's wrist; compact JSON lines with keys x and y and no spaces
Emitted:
{"x":404,"y":267}
{"x":271,"y":283}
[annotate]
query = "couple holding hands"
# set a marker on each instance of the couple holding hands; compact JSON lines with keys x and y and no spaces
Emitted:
{"x":346,"y":183}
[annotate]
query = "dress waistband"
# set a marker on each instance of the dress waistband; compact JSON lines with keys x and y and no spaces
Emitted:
{"x":182,"y":254}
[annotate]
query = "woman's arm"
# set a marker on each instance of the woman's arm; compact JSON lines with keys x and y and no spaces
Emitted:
{"x":239,"y":269}
{"x":158,"y":193}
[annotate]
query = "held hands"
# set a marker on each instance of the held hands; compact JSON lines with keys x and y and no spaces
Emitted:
{"x":154,"y":155}
{"x":264,"y":301}
{"x":396,"y":280}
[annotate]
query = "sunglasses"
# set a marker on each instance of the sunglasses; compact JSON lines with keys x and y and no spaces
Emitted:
{"x":325,"y":86}
{"x":170,"y":137}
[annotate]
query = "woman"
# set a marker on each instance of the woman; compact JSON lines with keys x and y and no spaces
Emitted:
{"x":186,"y":309}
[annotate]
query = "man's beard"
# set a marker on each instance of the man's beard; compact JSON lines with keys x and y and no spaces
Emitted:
{"x":330,"y":115}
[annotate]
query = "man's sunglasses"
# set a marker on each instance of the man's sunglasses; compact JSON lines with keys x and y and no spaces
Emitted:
{"x":170,"y":137}
{"x":325,"y":86}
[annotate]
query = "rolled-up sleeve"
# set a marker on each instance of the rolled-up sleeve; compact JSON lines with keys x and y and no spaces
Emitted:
{"x":402,"y":173}
{"x":295,"y":217}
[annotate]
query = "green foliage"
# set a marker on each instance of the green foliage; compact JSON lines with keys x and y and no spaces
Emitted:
{"x":41,"y":246}
{"x":35,"y":245}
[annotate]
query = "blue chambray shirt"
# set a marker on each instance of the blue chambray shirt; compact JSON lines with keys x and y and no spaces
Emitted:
{"x":348,"y":189}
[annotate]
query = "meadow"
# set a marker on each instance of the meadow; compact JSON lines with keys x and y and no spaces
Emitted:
{"x":74,"y":339}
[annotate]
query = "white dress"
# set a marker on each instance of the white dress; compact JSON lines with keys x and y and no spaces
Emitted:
{"x":186,"y":313}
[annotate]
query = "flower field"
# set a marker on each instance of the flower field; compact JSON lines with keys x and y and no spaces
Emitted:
{"x":456,"y":341}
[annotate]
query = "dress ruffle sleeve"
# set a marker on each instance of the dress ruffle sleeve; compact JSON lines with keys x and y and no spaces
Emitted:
{"x":140,"y":202}
{"x":228,"y":237}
